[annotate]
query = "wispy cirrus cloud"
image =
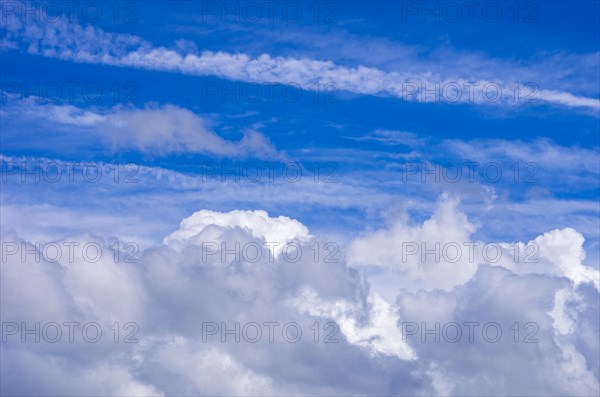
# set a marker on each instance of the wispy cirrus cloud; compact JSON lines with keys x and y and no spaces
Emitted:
{"x":73,"y":42}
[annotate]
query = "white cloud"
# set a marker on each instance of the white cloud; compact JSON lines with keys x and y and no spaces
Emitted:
{"x":209,"y":370}
{"x":564,"y":248}
{"x":281,"y":230}
{"x":153,"y":129}
{"x":564,"y":319}
{"x":549,"y":157}
{"x":393,"y":137}
{"x":402,"y":248}
{"x":442,"y":252}
{"x":170,"y":293}
{"x":92,"y":45}
{"x":379,"y":334}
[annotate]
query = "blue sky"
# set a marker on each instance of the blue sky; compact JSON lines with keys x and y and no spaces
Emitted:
{"x":171,"y":93}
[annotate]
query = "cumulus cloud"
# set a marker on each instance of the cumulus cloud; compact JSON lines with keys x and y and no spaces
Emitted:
{"x":403,"y":248}
{"x":443,"y":252}
{"x":176,"y":289}
{"x":492,"y":324}
{"x":561,"y":253}
{"x":170,"y":294}
{"x":379,"y":333}
{"x":280,"y":231}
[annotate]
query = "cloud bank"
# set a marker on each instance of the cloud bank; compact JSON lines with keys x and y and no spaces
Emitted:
{"x":186,"y":305}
